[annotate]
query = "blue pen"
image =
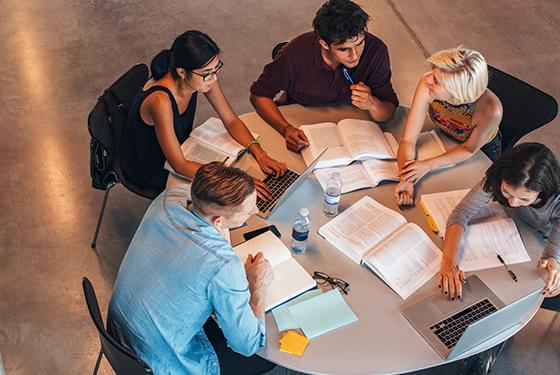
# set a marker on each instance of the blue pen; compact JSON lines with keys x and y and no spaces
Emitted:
{"x":347,"y":75}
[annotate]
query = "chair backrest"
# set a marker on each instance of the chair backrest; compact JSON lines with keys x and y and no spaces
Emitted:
{"x":525,"y":108}
{"x":122,"y":360}
{"x":106,"y":123}
{"x":277,"y":48}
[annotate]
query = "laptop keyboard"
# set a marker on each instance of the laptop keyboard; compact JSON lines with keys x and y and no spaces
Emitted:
{"x":450,"y":330}
{"x":277,"y":187}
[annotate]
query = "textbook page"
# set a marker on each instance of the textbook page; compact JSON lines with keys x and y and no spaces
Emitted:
{"x":406,"y":260}
{"x":360,"y":227}
{"x":354,"y":177}
{"x":321,"y":136}
{"x":381,"y":170}
{"x":364,"y":140}
{"x":289,"y":278}
{"x":483,"y":241}
{"x":428,"y":145}
{"x":213,"y":134}
{"x":440,"y":205}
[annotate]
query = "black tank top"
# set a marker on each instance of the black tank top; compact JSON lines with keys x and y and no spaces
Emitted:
{"x":142,"y":156}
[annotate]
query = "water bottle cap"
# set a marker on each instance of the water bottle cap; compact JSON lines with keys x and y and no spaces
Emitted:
{"x":304,"y":211}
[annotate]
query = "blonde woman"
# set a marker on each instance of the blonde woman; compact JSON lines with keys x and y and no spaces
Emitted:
{"x":455,"y":95}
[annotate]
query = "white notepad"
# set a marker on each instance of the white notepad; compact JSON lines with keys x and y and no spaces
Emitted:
{"x":290,"y":278}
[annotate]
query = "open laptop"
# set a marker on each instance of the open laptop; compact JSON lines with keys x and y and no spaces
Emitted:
{"x":282,"y":187}
{"x":454,"y":327}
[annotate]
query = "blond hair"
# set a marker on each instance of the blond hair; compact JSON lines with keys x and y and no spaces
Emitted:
{"x":465,"y":73}
{"x":220,"y":189}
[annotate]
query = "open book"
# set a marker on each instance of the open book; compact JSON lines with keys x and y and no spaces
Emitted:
{"x":490,"y":231}
{"x":290,"y":279}
{"x":401,"y":254}
{"x":438,"y":206}
{"x":369,"y":173}
{"x":352,"y":139}
{"x":210,"y":142}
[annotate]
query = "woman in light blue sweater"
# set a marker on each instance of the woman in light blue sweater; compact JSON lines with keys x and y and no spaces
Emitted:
{"x":526,"y":178}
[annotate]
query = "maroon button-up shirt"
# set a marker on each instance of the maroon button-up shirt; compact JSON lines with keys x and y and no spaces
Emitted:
{"x":299,"y":70}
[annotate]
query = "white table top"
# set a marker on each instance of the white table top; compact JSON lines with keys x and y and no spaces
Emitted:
{"x":381,"y":341}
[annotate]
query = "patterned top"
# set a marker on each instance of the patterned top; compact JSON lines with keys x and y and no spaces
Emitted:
{"x":455,"y":120}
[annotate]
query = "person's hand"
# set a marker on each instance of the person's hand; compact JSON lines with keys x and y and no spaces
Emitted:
{"x":404,"y":193}
{"x":450,"y":280}
{"x":295,"y":138}
{"x":263,"y":191}
{"x":270,"y":166}
{"x":361,"y":96}
{"x":552,"y":269}
{"x":259,"y":272}
{"x":414,"y":170}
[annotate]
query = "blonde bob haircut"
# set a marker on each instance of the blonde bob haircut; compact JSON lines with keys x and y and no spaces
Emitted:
{"x":465,"y":73}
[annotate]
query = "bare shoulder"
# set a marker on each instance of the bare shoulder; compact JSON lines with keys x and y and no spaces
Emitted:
{"x":488,"y":108}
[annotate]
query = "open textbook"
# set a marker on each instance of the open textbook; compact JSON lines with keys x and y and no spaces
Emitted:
{"x":438,"y":206}
{"x":490,"y":231}
{"x":210,"y":142}
{"x":401,"y":254}
{"x":290,"y":279}
{"x":352,"y":139}
{"x":369,"y":173}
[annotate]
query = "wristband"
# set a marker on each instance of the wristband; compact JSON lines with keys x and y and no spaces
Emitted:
{"x":253,"y":142}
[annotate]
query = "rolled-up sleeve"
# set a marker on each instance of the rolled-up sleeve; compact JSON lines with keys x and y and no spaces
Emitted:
{"x":475,"y":199}
{"x":552,"y":247}
{"x":229,"y":294}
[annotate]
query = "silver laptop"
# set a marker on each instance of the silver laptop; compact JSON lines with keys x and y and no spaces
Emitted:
{"x":282,"y":187}
{"x":454,"y":327}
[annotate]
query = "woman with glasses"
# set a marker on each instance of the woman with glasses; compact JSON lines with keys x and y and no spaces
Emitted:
{"x":161,"y":117}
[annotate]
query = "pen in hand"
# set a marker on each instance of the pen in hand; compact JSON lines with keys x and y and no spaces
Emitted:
{"x":507,"y":268}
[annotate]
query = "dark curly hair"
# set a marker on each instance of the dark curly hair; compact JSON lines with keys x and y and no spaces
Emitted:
{"x":339,"y":20}
{"x":528,"y":165}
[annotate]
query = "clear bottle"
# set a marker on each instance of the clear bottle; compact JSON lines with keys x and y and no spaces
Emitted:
{"x":300,"y":232}
{"x":332,"y":195}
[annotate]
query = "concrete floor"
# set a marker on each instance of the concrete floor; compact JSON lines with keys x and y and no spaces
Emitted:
{"x":57,"y":56}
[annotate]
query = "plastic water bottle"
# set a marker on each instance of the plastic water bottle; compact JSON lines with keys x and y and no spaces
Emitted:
{"x":300,"y":232}
{"x":332,"y":195}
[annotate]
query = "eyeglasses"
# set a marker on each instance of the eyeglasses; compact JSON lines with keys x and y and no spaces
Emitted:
{"x":208,"y":75}
{"x":323,"y":278}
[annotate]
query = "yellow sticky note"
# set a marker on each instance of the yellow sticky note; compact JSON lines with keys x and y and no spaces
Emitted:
{"x":293,"y":343}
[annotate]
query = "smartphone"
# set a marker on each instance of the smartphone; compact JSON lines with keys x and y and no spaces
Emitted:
{"x":256,"y":232}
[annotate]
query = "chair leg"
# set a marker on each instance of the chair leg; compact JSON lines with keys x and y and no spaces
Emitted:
{"x":100,"y":218}
{"x":98,"y":361}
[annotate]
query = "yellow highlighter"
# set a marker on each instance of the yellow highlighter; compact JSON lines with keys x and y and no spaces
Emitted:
{"x":431,"y":222}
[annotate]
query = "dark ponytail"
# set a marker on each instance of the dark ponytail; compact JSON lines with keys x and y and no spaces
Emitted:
{"x":160,"y":64}
{"x":191,"y":50}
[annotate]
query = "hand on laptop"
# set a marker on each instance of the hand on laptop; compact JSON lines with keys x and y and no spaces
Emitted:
{"x":450,"y":280}
{"x":295,"y":138}
{"x":263,"y":191}
{"x":271,"y":166}
{"x":552,"y":268}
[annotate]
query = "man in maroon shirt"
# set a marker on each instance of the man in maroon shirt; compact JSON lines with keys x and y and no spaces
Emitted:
{"x":337,"y":62}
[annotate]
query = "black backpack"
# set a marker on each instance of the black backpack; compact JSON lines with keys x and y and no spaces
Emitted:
{"x":106,"y":122}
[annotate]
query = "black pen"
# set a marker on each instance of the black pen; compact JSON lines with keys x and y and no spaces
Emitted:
{"x":507,"y":268}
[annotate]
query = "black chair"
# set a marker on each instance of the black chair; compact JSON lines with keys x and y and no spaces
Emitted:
{"x":106,"y":123}
{"x":525,"y":107}
{"x":122,"y":360}
{"x":277,"y":48}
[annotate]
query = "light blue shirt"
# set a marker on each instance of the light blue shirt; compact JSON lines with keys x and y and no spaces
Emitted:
{"x":177,"y":271}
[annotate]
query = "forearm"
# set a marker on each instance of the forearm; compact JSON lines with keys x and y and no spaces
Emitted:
{"x":186,"y":168}
{"x":454,"y":156}
{"x":239,"y":131}
{"x":380,"y":110}
{"x":552,"y":247}
{"x":257,"y":301}
{"x":267,"y":109}
{"x":453,"y":236}
{"x":406,"y":152}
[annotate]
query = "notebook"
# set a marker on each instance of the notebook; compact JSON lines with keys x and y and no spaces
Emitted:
{"x":290,"y":278}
